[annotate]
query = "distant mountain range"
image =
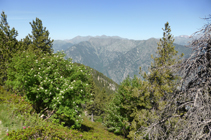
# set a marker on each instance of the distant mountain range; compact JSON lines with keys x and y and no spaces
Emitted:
{"x":114,"y":56}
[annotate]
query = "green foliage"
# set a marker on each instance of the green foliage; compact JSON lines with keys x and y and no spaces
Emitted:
{"x":131,"y":100}
{"x":101,"y":81}
{"x":96,"y":106}
{"x":137,"y":102}
{"x":101,"y":90}
{"x":100,"y":101}
{"x":163,"y":79}
{"x":44,"y":82}
{"x":50,"y":82}
{"x":40,"y":37}
{"x":26,"y":43}
{"x":55,"y":132}
{"x":115,"y":120}
{"x":15,"y":112}
{"x":8,"y":46}
{"x":18,"y":117}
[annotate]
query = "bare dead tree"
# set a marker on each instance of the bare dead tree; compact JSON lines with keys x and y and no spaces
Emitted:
{"x":187,"y":114}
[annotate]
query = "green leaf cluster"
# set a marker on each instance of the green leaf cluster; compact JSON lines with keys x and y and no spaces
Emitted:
{"x":97,"y":103}
{"x":19,"y":117}
{"x":8,"y":46}
{"x":45,"y":84}
{"x":39,"y":38}
{"x":50,"y":82}
{"x":162,"y":77}
{"x":129,"y":108}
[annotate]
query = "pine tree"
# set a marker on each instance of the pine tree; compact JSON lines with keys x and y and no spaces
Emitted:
{"x":40,"y":37}
{"x":162,"y":78}
{"x":98,"y":101}
{"x":26,"y":43}
{"x":8,"y":46}
{"x":193,"y":95}
{"x":90,"y":106}
{"x":131,"y":100}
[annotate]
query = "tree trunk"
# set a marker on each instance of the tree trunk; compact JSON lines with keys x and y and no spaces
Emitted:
{"x":92,"y":119}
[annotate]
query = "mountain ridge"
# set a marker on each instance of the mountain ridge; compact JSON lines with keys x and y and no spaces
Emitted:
{"x":114,"y":57}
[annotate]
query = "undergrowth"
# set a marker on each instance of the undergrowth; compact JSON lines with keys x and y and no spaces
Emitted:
{"x":21,"y":122}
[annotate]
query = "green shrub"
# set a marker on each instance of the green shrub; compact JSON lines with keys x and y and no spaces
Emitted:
{"x":21,"y":120}
{"x":57,"y":132}
{"x":49,"y":81}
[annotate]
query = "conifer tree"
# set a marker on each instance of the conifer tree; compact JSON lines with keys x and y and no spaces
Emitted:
{"x":40,"y":37}
{"x":90,"y":106}
{"x":131,"y":100}
{"x":193,"y":95}
{"x":8,"y":46}
{"x":136,"y":101}
{"x":98,"y":101}
{"x":162,"y":78}
{"x":26,"y":43}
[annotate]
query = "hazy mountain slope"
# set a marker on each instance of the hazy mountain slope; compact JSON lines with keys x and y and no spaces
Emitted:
{"x":182,"y":40}
{"x":129,"y":63}
{"x":115,"y":57}
{"x":108,"y":49}
{"x":59,"y":45}
{"x":79,"y":39}
{"x":99,"y":52}
{"x":84,"y":53}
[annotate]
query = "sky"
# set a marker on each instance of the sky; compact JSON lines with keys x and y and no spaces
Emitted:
{"x":132,"y":19}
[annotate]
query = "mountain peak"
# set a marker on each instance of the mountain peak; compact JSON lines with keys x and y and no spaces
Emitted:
{"x":183,"y":36}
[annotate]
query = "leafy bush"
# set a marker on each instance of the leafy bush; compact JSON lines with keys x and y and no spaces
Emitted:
{"x":49,"y":81}
{"x":23,"y":123}
{"x":56,"y":132}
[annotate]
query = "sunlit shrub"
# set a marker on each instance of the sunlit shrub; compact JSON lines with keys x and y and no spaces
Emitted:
{"x":55,"y":132}
{"x":49,"y":81}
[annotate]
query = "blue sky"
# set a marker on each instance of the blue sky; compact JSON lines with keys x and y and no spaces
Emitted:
{"x":132,"y":19}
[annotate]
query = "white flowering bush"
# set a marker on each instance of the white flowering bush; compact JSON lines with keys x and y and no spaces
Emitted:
{"x":50,"y":81}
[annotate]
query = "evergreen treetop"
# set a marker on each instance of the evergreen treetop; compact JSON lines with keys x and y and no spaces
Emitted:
{"x":162,"y":77}
{"x":40,"y":37}
{"x":8,"y":46}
